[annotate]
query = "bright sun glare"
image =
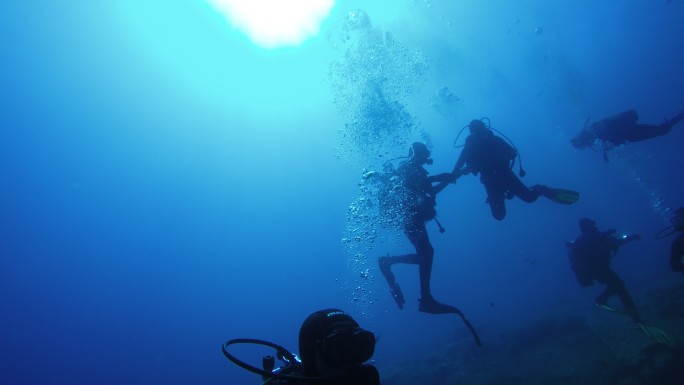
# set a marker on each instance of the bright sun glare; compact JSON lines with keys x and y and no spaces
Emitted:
{"x":275,"y":23}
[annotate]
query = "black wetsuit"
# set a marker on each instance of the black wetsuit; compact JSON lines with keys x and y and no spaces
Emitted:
{"x":590,"y":256}
{"x":419,"y":207}
{"x":623,"y":128}
{"x":491,"y":157}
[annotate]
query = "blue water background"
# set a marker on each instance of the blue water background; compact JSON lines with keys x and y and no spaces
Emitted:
{"x":167,"y":185}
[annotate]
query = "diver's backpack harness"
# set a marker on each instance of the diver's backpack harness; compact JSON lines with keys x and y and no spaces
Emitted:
{"x":521,"y":170}
{"x":580,"y":253}
{"x":394,"y":194}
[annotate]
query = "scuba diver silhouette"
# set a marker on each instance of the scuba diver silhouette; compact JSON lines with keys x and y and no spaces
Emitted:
{"x":620,"y":129}
{"x":590,"y":257}
{"x":493,"y":159}
{"x":414,"y":193}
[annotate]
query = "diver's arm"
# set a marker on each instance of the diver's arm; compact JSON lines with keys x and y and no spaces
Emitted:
{"x":457,"y":171}
{"x":625,"y":239}
{"x":460,"y":163}
{"x":442,"y":180}
{"x":443,"y":177}
{"x":442,"y":185}
{"x":621,"y":241}
{"x":614,"y":243}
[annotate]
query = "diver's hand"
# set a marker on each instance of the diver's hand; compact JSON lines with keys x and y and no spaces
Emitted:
{"x":459,"y":173}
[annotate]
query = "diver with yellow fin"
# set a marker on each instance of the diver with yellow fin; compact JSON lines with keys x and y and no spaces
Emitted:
{"x":590,"y":256}
{"x":493,"y":159}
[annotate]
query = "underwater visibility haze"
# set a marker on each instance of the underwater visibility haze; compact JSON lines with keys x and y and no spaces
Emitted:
{"x":180,"y":173}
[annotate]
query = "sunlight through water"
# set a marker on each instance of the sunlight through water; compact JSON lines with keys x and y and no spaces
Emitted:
{"x":275,"y":23}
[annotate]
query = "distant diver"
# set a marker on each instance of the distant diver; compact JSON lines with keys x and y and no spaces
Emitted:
{"x":412,"y":192}
{"x":493,"y":159}
{"x":677,"y":247}
{"x":620,"y":129}
{"x":590,"y":256}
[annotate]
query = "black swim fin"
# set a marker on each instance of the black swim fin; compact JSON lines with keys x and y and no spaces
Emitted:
{"x":434,"y":307}
{"x":559,"y":195}
{"x":397,"y":295}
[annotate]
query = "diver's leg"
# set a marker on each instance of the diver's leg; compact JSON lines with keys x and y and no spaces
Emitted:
{"x":639,"y":132}
{"x":673,"y":121}
{"x":625,"y":298}
{"x":427,"y":304}
{"x":616,"y":286}
{"x":385,"y":264}
{"x":518,"y":188}
{"x":495,"y":199}
{"x":628,"y":303}
{"x":420,"y":240}
{"x":602,"y":298}
{"x":387,"y":261}
{"x":603,"y":276}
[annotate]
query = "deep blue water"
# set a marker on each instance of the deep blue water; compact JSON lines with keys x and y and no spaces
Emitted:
{"x":167,"y":185}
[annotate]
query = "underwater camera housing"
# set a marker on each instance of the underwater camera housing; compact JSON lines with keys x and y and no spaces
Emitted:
{"x":291,"y":372}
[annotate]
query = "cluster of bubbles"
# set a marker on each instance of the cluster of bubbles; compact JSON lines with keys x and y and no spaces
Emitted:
{"x":372,"y":78}
{"x":379,"y":211}
{"x":640,"y":166}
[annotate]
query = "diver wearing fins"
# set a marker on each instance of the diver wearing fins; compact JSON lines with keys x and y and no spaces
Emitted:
{"x":620,"y":129}
{"x":493,"y":158}
{"x":590,"y":256}
{"x":415,"y":195}
{"x":333,"y":349}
